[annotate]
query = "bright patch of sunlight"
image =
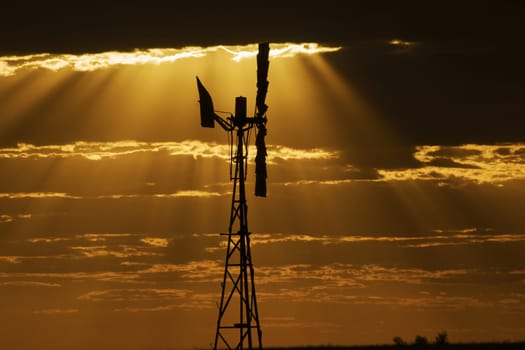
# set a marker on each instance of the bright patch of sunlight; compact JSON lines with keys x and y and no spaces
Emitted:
{"x":9,"y":65}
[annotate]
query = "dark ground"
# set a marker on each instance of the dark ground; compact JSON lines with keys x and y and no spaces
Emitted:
{"x":452,"y":346}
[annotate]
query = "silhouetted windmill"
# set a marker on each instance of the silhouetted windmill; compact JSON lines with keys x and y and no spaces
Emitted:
{"x":238,"y":314}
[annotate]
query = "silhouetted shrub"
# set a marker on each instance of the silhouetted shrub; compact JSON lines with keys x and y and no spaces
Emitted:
{"x":399,"y":341}
{"x":442,"y":338}
{"x":420,"y":340}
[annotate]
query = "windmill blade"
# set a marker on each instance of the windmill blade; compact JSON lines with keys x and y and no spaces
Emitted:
{"x":262,"y":75}
{"x":262,"y":89}
{"x":260,"y":162}
{"x":207,"y":114}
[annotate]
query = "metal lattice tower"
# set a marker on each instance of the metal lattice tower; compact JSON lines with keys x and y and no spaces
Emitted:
{"x":238,"y":283}
{"x":238,"y":325}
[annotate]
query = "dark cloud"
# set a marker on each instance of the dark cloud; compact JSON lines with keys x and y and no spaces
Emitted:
{"x":449,"y":163}
{"x":131,"y":27}
{"x":448,"y":152}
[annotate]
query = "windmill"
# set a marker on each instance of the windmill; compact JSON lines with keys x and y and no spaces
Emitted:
{"x":238,"y":321}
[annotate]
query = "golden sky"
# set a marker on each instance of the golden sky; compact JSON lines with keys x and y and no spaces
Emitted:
{"x":112,"y":198}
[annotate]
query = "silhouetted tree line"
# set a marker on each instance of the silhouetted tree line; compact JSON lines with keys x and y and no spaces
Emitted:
{"x":441,"y":339}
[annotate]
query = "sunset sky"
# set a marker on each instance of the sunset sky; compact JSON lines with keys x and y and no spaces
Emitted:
{"x":396,"y":173}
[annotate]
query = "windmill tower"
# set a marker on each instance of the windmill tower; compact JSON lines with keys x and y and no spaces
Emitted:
{"x":238,"y":321}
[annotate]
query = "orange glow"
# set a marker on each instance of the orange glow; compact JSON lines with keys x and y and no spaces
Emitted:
{"x":112,"y":199}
